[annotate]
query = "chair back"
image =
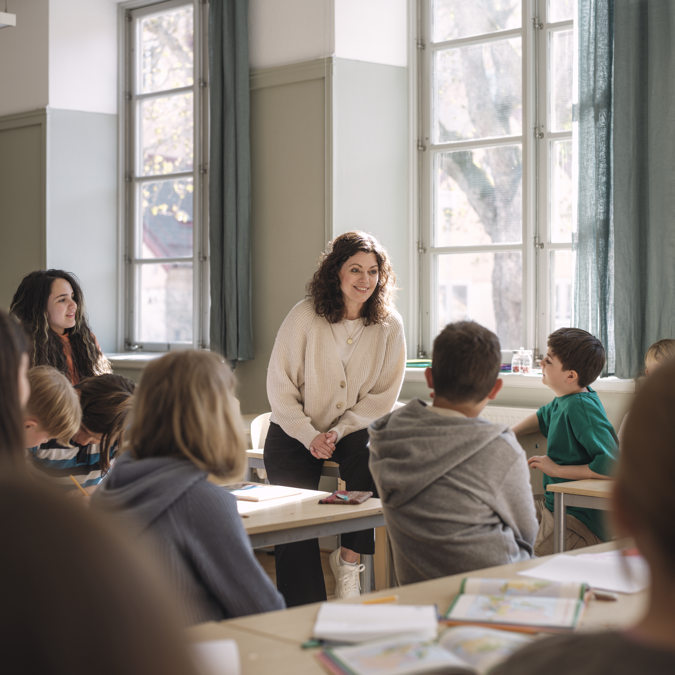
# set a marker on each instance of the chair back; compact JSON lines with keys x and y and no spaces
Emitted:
{"x":259,"y":427}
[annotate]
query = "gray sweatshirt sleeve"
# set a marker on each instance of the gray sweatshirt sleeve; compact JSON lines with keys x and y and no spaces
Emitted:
{"x":516,"y":505}
{"x":221,"y":553}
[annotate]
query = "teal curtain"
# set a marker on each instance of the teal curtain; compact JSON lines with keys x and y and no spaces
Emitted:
{"x":644,"y":175}
{"x":593,"y":308}
{"x":230,"y":180}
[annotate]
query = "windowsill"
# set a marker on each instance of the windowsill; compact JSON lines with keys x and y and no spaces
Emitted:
{"x":613,"y":384}
{"x":133,"y":360}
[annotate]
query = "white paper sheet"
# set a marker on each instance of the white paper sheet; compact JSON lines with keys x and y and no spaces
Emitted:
{"x":605,"y":571}
{"x":218,"y":657}
{"x":357,"y":623}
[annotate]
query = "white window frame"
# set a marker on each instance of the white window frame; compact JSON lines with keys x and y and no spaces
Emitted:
{"x":535,"y":246}
{"x":129,"y":224}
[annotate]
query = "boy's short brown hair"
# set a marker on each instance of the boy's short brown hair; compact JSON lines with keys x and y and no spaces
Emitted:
{"x":53,"y":403}
{"x":465,"y":362}
{"x":660,"y":351}
{"x":578,"y":350}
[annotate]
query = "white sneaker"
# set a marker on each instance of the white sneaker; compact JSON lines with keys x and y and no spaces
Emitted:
{"x":347,"y":579}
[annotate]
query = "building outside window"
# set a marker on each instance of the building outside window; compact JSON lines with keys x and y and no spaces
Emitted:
{"x":165,"y":129}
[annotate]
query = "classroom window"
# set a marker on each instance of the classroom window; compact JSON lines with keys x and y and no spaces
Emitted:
{"x":165,"y":154}
{"x":496,"y":167}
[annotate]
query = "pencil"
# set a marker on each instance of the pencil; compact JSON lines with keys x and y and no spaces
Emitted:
{"x":381,"y":601}
{"x":79,"y":487}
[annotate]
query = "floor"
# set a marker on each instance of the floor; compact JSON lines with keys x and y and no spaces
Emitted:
{"x":267,"y":561}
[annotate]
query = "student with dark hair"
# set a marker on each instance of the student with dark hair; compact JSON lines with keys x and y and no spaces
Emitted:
{"x":581,"y":441}
{"x":105,"y":402}
{"x":455,"y":488}
{"x":75,"y":598}
{"x":643,"y":504}
{"x":14,"y":388}
{"x":50,"y":306}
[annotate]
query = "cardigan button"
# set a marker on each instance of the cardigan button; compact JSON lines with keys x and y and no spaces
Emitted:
{"x":343,"y":384}
{"x":339,"y":406}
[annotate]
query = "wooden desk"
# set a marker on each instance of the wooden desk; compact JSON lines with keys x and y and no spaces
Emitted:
{"x":292,"y":627}
{"x":588,"y":494}
{"x":257,"y":461}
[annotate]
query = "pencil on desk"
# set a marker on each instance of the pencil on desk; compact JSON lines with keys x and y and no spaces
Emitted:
{"x":79,"y":487}
{"x":381,"y":601}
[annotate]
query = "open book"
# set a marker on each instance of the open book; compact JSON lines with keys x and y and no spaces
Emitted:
{"x":529,"y":605}
{"x":257,"y":492}
{"x":463,"y":650}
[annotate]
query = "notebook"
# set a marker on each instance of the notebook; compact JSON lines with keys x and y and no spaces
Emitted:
{"x":458,"y":651}
{"x":257,"y":492}
{"x":218,"y":657}
{"x":358,"y":623}
{"x":528,"y":605}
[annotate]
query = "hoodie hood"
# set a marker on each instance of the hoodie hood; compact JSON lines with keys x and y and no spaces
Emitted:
{"x":140,"y":490}
{"x":412,"y":446}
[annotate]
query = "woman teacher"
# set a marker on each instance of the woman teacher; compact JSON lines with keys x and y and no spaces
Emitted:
{"x":337,"y":364}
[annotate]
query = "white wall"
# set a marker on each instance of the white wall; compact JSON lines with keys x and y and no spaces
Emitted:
{"x":23,"y":58}
{"x":372,"y":30}
{"x":83,"y":55}
{"x":282,"y":32}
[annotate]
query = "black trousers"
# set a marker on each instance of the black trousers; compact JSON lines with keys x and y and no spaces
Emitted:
{"x":288,"y":462}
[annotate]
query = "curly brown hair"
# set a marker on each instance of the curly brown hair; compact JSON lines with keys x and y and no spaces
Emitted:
{"x":29,"y":306}
{"x":324,"y":288}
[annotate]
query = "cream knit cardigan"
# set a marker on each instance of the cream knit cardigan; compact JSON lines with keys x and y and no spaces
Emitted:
{"x":309,"y":390}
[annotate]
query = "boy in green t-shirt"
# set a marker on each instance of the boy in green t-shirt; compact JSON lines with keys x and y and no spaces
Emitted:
{"x":581,"y":441}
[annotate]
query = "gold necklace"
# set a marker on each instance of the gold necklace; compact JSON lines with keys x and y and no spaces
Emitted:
{"x":349,"y":336}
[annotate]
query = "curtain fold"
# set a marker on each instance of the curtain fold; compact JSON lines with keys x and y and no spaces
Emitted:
{"x":593,"y":308}
{"x":644,"y":200}
{"x":230,"y":180}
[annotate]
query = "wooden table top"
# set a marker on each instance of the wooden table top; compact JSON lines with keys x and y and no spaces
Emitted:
{"x":590,"y":487}
{"x":290,"y":628}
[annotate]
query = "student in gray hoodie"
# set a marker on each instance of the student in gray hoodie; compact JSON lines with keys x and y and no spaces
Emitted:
{"x":455,"y":487}
{"x":185,"y":425}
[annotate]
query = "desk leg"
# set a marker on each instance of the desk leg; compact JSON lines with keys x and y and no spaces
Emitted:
{"x":367,"y":574}
{"x":559,"y":522}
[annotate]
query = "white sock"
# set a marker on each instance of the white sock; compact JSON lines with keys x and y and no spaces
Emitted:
{"x":344,"y":562}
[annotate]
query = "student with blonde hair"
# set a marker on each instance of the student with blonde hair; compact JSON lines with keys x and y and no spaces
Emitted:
{"x":185,"y":425}
{"x":105,"y":402}
{"x":53,"y":409}
{"x":643,"y":508}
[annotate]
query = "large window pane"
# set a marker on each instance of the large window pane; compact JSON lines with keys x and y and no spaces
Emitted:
{"x":167,"y":50}
{"x":165,"y":303}
{"x":463,"y":18}
{"x":478,"y":196}
{"x":561,"y":192}
{"x":484,"y":287}
{"x":561,"y":46}
{"x":560,"y":10}
{"x":478,"y":91}
{"x":560,"y":303}
{"x":168,"y":134}
{"x":167,"y":217}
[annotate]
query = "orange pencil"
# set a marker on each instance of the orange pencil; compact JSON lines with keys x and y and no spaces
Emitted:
{"x":79,"y":487}
{"x":381,"y":601}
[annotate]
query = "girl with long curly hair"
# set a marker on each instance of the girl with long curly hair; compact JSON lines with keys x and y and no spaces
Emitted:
{"x":50,"y":306}
{"x":337,"y":365}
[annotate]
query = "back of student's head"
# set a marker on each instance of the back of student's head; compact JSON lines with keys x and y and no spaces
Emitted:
{"x":185,"y":406}
{"x":659,"y":353}
{"x":647,"y":463}
{"x":106,"y":401}
{"x":53,"y":403}
{"x":75,"y":598}
{"x":13,"y":347}
{"x":465,"y":362}
{"x":578,"y":350}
